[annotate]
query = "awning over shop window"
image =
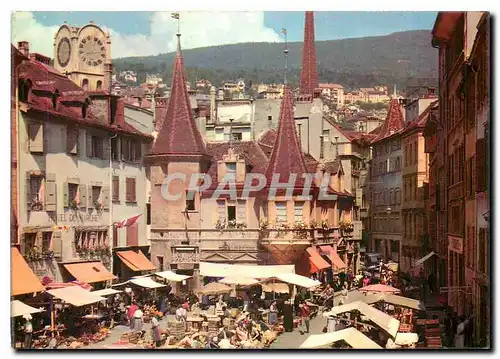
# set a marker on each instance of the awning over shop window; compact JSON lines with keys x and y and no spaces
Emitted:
{"x":76,"y":296}
{"x":136,"y":261}
{"x":337,"y":263}
{"x":89,"y":272}
{"x":18,"y":309}
{"x":317,"y":262}
{"x":222,"y":270}
{"x":23,"y":280}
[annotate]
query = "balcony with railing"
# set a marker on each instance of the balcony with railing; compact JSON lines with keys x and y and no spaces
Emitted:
{"x":298,"y":233}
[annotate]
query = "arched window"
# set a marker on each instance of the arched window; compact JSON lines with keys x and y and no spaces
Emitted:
{"x":24,"y":89}
{"x":85,"y":84}
{"x":99,"y":85}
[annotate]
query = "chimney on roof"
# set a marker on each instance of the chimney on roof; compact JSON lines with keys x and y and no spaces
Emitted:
{"x":336,"y":146}
{"x":24,"y":48}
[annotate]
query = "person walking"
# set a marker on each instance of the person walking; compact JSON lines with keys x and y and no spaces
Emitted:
{"x":28,"y":331}
{"x":130,"y":313}
{"x":460,"y":333}
{"x":156,"y":331}
{"x":181,"y":314}
{"x":305,"y":312}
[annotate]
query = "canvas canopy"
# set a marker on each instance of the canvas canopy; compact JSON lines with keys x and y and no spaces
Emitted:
{"x":406,"y":338}
{"x":146,"y":282}
{"x":76,"y":296}
{"x":171,"y":276}
{"x":276,"y":287}
{"x":215,"y":288}
{"x":299,"y":280}
{"x":23,"y":280}
{"x":383,"y":320}
{"x":387,"y":298}
{"x":423,"y":259}
{"x":351,"y":336}
{"x":222,"y":270}
{"x":107,"y":291}
{"x":18,"y":309}
{"x":239,"y":281}
{"x":379,"y":288}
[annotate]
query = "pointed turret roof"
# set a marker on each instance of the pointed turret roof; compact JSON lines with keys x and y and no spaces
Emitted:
{"x":394,"y":121}
{"x":286,"y":156}
{"x":178,"y":134}
{"x":308,"y":74}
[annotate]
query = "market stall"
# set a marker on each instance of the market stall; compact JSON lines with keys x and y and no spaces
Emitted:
{"x":18,"y":309}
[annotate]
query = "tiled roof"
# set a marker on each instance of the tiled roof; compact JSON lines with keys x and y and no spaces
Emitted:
{"x":333,"y":167}
{"x":178,"y":133}
{"x":308,"y":74}
{"x":286,"y":156}
{"x":421,"y":120}
{"x":394,"y":122}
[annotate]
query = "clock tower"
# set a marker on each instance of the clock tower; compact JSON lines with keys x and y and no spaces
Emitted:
{"x":81,"y":53}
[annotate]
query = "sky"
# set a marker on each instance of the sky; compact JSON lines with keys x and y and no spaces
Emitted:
{"x":149,"y":33}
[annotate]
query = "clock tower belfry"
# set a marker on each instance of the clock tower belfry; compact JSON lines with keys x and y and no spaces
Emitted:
{"x":81,"y":53}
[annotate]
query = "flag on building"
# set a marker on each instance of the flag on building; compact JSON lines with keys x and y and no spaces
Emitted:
{"x":175,"y":15}
{"x":127,"y":222}
{"x":283,"y":31}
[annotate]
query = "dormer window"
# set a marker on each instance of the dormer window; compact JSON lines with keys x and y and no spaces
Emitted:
{"x":237,"y":136}
{"x":231,"y":171}
{"x":85,"y":84}
{"x":99,"y":85}
{"x":24,"y":89}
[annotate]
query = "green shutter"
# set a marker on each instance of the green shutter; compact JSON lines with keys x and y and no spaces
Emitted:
{"x":83,"y":196}
{"x":88,"y":141}
{"x":105,"y":197}
{"x":28,"y":190}
{"x":66,"y":194}
{"x":90,"y":198}
{"x":50,"y":192}
{"x":57,"y":244}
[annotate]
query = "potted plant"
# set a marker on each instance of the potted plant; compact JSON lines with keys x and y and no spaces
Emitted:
{"x":300,"y":225}
{"x":313,"y":224}
{"x":36,"y":205}
{"x":346,"y":227}
{"x":220,"y":224}
{"x":324,"y":224}
{"x":264,"y":223}
{"x":241,"y":225}
{"x":231,"y":223}
{"x":74,"y":205}
{"x":97,"y":205}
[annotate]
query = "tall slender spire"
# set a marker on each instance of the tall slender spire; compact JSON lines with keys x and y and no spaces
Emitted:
{"x":285,"y":51}
{"x":178,"y":134}
{"x":308,"y":74}
{"x":287,"y":156}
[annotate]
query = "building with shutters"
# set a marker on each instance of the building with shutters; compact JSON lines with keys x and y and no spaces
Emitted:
{"x":385,"y":186}
{"x":73,"y":147}
{"x":464,"y":88}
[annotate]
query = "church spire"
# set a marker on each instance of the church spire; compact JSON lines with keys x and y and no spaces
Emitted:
{"x":287,"y":156}
{"x":178,"y":134}
{"x":308,"y":74}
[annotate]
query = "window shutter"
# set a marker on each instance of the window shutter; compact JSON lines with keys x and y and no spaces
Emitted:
{"x":36,"y":137}
{"x":116,"y":188}
{"x":57,"y":244}
{"x":133,"y":190}
{"x":89,"y":144}
{"x":90,"y":197}
{"x":83,"y":196}
{"x":50,"y":192}
{"x":66,"y":194}
{"x":127,"y":190}
{"x":105,"y":148}
{"x":28,"y":190}
{"x":480,"y":165}
{"x":132,"y":235}
{"x":105,"y":197}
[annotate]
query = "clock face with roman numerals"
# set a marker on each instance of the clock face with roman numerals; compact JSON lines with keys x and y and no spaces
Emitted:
{"x":63,"y":51}
{"x":92,"y":51}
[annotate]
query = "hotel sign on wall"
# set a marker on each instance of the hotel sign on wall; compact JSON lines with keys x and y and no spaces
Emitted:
{"x":455,"y":244}
{"x":72,"y":217}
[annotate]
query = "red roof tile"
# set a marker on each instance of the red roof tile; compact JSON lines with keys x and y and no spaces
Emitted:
{"x":394,"y":121}
{"x":308,"y":74}
{"x":286,"y":156}
{"x":421,"y":120}
{"x":178,"y":133}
